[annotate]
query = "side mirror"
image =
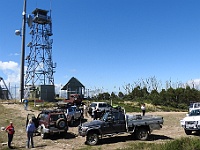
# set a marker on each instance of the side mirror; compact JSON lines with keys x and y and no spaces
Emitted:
{"x":187,"y":115}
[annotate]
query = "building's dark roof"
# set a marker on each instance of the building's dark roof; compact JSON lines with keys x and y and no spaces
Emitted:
{"x":73,"y":82}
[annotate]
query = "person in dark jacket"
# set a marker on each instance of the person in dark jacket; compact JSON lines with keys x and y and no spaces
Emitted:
{"x":11,"y":130}
{"x":30,"y":129}
{"x":95,"y":114}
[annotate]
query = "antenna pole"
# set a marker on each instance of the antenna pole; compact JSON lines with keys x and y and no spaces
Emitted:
{"x":23,"y":52}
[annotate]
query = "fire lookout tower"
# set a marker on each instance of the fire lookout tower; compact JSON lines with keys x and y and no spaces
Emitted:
{"x":39,"y":78}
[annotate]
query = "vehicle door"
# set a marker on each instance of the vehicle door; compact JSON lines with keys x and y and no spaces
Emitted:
{"x":119,"y":122}
{"x":43,"y":119}
{"x":107,"y":127}
{"x":34,"y":119}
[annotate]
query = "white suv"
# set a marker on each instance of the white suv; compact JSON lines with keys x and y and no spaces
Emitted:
{"x":191,"y":122}
{"x":101,"y":106}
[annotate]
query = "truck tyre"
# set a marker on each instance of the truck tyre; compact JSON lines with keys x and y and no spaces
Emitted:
{"x":142,"y":134}
{"x":188,"y":132}
{"x":92,"y":139}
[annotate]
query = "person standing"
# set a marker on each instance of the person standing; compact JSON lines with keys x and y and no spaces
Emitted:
{"x":85,"y":110}
{"x":30,"y":129}
{"x":95,"y":113}
{"x":10,"y":130}
{"x":143,"y":109}
{"x":25,"y":104}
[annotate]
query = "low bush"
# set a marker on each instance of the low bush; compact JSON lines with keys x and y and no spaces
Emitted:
{"x":186,"y":143}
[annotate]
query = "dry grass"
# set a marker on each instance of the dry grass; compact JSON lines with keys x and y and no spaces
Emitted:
{"x":7,"y":115}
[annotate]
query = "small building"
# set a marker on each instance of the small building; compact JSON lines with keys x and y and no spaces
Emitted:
{"x":43,"y":92}
{"x":74,"y":86}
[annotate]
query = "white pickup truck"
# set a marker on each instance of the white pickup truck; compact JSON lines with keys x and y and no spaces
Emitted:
{"x":191,"y":122}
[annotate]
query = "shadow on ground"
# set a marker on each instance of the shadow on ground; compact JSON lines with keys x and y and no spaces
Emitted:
{"x":78,"y":122}
{"x":117,"y":139}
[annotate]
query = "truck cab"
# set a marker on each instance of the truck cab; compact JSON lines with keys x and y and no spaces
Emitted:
{"x":113,"y":122}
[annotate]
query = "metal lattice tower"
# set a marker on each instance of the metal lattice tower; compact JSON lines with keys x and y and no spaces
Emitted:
{"x":40,"y":67}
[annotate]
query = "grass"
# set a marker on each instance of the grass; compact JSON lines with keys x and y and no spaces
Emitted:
{"x":7,"y":115}
{"x":179,"y":144}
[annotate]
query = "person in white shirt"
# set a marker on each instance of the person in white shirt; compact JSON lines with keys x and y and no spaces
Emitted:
{"x":143,"y":109}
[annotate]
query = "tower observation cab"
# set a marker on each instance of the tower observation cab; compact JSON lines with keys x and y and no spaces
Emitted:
{"x":40,"y":66}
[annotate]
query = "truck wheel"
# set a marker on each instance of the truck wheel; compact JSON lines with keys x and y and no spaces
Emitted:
{"x":188,"y":132}
{"x":92,"y":139}
{"x":142,"y":134}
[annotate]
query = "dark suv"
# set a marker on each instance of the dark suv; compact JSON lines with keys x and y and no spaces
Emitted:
{"x":49,"y":122}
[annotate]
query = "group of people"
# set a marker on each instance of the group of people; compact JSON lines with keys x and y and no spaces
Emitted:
{"x":96,"y":114}
{"x":30,"y":129}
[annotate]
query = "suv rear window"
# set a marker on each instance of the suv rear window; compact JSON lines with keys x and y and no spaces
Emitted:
{"x":55,"y":117}
{"x":93,"y":105}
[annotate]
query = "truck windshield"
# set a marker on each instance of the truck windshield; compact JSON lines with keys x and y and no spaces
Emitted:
{"x":195,"y":112}
{"x":191,"y":105}
{"x":105,"y":116}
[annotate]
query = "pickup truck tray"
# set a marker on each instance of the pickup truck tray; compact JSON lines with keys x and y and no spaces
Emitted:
{"x":143,"y":120}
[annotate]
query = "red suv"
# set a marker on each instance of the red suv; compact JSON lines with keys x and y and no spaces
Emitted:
{"x":49,"y":122}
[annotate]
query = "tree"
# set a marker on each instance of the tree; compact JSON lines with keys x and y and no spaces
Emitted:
{"x":121,"y":95}
{"x":113,"y":96}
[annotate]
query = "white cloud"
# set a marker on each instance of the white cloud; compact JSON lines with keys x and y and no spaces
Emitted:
{"x":11,"y":71}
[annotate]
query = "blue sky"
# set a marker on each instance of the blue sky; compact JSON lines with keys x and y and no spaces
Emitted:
{"x":110,"y":43}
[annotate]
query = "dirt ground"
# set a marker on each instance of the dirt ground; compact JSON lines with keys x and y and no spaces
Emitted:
{"x":171,"y":130}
